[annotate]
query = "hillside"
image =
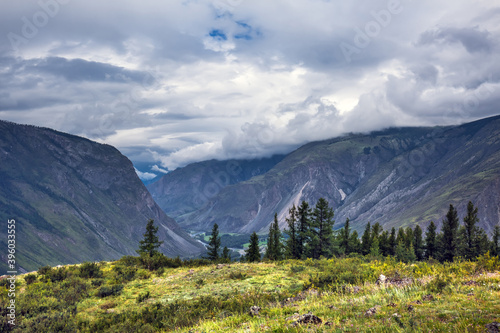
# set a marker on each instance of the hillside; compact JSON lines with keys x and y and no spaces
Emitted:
{"x":184,"y":190}
{"x":335,"y":295}
{"x":75,"y":200}
{"x":397,"y":177}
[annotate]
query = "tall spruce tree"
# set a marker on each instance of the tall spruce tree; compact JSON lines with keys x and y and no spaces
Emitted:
{"x":430,"y":241}
{"x":354,"y":243}
{"x":449,"y":243}
{"x":303,"y":229}
{"x":322,"y":230}
{"x":366,"y":240}
{"x":418,"y":243}
{"x":277,"y":246}
{"x":392,"y":242}
{"x":226,"y":254}
{"x":150,"y":243}
{"x":292,"y":243}
{"x":253,"y":251}
{"x":471,"y":233}
{"x":384,"y":243}
{"x":344,"y":238}
{"x":214,"y":244}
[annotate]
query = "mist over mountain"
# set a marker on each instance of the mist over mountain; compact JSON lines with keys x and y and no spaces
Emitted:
{"x":397,"y":177}
{"x":75,"y":200}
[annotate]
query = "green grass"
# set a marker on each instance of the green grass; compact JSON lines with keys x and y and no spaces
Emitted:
{"x":465,"y":297}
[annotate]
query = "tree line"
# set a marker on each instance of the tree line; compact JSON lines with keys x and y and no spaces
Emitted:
{"x":310,"y":234}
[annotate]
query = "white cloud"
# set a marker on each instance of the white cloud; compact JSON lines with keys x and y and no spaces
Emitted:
{"x":177,"y":82}
{"x":145,"y":175}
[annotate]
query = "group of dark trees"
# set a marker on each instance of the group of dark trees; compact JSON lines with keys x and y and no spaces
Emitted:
{"x":310,"y":234}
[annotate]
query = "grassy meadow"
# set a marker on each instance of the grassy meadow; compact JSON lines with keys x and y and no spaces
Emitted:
{"x":346,"y":294}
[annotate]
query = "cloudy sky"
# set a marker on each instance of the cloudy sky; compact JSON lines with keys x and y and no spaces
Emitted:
{"x":173,"y":82}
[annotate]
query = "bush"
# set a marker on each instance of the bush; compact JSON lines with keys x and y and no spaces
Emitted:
{"x":297,"y":269}
{"x":123,"y":273}
{"x":142,"y":297}
{"x":237,"y":276}
{"x":55,"y":275}
{"x":89,"y":270}
{"x":30,"y":278}
{"x":106,"y":291}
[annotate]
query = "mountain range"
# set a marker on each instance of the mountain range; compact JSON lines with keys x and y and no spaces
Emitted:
{"x":75,"y":200}
{"x":397,"y":177}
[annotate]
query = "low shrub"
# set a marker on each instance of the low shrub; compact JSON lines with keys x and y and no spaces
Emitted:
{"x":142,"y":297}
{"x":106,"y":291}
{"x":89,"y":270}
{"x":30,"y":278}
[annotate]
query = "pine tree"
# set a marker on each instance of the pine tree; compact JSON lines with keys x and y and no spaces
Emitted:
{"x":226,"y":254}
{"x":400,"y":252}
{"x":366,"y":240}
{"x":450,"y":235}
{"x":495,"y":242}
{"x":392,"y":242}
{"x":418,"y":243}
{"x":471,"y":232}
{"x":303,"y":230}
{"x":408,"y":237}
{"x":354,"y":243}
{"x":214,"y":244}
{"x":344,"y":238}
{"x":253,"y":251}
{"x":401,"y":236}
{"x":292,"y":246}
{"x":430,"y":241}
{"x":322,"y":230}
{"x":150,"y":243}
{"x":384,"y":243}
{"x":270,"y":243}
{"x":274,"y":246}
{"x":375,"y":248}
{"x":376,"y":230}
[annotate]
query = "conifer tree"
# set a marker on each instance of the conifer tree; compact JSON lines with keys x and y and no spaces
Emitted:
{"x":303,"y":230}
{"x":253,"y":251}
{"x":366,"y":240}
{"x":401,"y":236}
{"x":392,"y":242}
{"x":408,"y":237}
{"x":471,"y":234}
{"x":354,"y":243}
{"x":270,"y":244}
{"x":375,"y":248}
{"x":418,"y":243}
{"x":214,"y":244}
{"x":292,"y":246}
{"x":449,"y":243}
{"x":150,"y":243}
{"x":384,"y":243}
{"x":344,"y":238}
{"x":277,"y":251}
{"x":322,"y":230}
{"x":226,"y":254}
{"x":430,"y":241}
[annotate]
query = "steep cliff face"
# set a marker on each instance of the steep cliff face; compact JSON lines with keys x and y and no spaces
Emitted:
{"x":75,"y":200}
{"x":397,"y":177}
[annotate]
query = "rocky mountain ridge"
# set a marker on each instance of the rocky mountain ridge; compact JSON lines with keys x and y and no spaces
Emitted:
{"x":398,"y":177}
{"x":75,"y":200}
